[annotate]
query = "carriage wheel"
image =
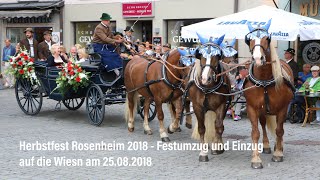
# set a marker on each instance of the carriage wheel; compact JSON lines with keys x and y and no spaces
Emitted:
{"x":95,"y":105}
{"x":73,"y":104}
{"x":28,"y":96}
{"x":152,"y":110}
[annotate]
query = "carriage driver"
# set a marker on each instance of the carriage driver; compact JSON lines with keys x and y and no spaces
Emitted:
{"x":104,"y":44}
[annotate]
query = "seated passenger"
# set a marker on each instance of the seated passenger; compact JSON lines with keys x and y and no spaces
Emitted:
{"x":314,"y":85}
{"x":83,"y":56}
{"x":55,"y":59}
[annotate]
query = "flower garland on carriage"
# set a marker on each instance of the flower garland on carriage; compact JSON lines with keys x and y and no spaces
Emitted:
{"x":71,"y":77}
{"x":22,"y":67}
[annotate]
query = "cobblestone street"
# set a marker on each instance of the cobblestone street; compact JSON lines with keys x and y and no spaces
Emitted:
{"x":301,"y":147}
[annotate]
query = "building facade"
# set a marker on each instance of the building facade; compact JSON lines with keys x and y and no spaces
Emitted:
{"x":42,"y":15}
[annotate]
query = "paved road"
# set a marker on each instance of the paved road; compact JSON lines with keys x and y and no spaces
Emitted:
{"x":302,"y":148}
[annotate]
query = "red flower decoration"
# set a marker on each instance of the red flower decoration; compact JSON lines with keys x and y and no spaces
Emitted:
{"x":29,"y":69}
{"x":78,"y":79}
{"x":31,"y":60}
{"x":10,"y":60}
{"x":14,"y":65}
{"x":26,"y":58}
{"x":20,"y":63}
{"x":71,"y":73}
{"x":79,"y":70}
{"x":22,"y":54}
{"x":21,"y":71}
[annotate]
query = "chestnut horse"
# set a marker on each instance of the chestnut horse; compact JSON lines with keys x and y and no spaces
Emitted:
{"x":155,"y":83}
{"x":269,"y":101}
{"x":208,"y":106}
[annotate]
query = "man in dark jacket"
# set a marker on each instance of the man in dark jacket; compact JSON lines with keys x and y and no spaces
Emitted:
{"x":288,"y":55}
{"x":45,"y":46}
{"x":30,"y":44}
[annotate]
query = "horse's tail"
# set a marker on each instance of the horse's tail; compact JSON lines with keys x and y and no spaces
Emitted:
{"x":135,"y":104}
{"x":209,"y":122}
{"x":272,"y":124}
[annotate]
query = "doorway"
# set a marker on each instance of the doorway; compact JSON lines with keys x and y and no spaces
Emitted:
{"x":142,"y":30}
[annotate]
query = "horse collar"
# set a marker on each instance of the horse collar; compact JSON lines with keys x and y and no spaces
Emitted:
{"x":257,"y":82}
{"x":214,"y":88}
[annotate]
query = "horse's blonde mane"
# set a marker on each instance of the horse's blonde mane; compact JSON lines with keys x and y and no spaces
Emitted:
{"x":277,"y":72}
{"x":196,"y":70}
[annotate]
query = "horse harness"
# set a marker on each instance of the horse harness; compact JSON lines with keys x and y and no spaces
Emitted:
{"x":210,"y":90}
{"x":265,"y":84}
{"x":164,"y":79}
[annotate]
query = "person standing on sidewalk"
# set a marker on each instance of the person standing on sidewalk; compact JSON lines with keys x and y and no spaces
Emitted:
{"x":8,"y":51}
{"x":30,"y":44}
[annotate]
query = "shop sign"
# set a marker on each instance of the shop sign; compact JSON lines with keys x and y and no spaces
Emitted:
{"x":144,"y":9}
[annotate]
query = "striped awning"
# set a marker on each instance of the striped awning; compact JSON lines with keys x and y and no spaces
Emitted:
{"x":24,"y":13}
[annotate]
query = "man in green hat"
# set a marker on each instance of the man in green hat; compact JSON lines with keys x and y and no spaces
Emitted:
{"x":104,"y":44}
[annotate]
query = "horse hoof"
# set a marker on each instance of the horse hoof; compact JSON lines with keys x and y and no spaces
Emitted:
{"x":178,"y":129}
{"x":148,"y":132}
{"x":217,"y":152}
{"x":189,"y":126}
{"x":203,"y":159}
{"x":277,"y":158}
{"x":256,"y":165}
{"x":165,"y":139}
{"x":131,"y":129}
{"x":266,"y":151}
{"x":170,"y":132}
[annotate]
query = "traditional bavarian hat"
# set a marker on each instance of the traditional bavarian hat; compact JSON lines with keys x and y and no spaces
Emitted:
{"x":46,"y":32}
{"x":28,"y":30}
{"x":128,"y":28}
{"x":105,"y":16}
{"x":291,"y":51}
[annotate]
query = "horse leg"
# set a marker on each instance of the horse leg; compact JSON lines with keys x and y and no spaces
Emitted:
{"x":188,"y":117}
{"x":163,"y":134}
{"x":203,"y":156}
{"x":256,"y":162}
{"x":131,"y":105}
{"x":176,"y":110}
{"x":220,"y":114}
{"x":278,"y":148}
{"x":147,"y":129}
{"x":266,"y":146}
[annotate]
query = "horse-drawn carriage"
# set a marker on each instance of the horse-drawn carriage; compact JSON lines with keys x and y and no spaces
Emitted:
{"x":105,"y":88}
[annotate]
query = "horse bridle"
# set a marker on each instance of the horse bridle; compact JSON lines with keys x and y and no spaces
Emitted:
{"x":265,"y":50}
{"x":213,"y":68}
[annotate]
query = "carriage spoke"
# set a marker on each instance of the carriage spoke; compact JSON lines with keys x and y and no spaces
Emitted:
{"x":22,"y":98}
{"x":31,"y":106}
{"x":35,"y":105}
{"x":28,"y":105}
{"x":94,"y":115}
{"x":71,"y":100}
{"x":91,"y":110}
{"x":37,"y":100}
{"x":25,"y":102}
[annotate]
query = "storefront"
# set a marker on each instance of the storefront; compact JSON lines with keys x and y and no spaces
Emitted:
{"x":306,"y":51}
{"x":158,"y":22}
{"x":40,"y":16}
